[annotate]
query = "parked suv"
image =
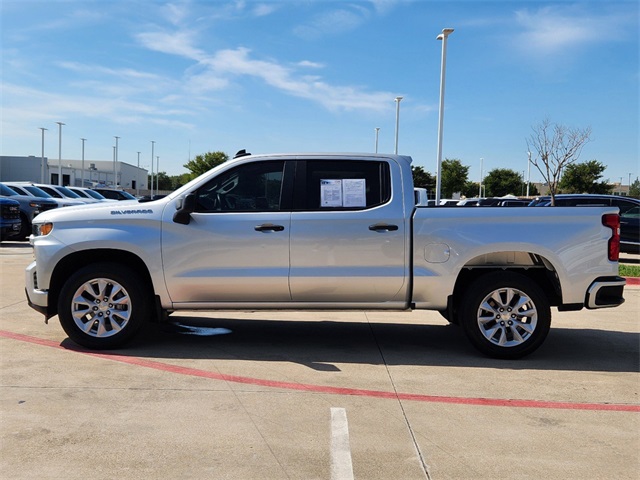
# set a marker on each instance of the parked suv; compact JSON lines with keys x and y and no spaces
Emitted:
{"x":30,"y":206}
{"x":629,"y":226}
{"x":9,"y":218}
{"x":27,"y":188}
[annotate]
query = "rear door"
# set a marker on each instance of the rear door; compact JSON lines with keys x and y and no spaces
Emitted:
{"x":348,"y":232}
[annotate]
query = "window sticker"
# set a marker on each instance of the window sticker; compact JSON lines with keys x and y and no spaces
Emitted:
{"x":354,"y":192}
{"x":330,"y":193}
{"x":348,"y":192}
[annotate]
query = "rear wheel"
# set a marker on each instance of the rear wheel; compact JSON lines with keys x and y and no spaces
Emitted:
{"x":103,"y":305}
{"x":505,"y":315}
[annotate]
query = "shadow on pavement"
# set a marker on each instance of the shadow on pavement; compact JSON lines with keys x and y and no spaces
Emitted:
{"x":321,"y":345}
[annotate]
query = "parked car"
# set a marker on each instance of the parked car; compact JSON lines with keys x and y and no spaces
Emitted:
{"x":89,"y":193}
{"x":26,"y":188}
{"x":9,"y":218}
{"x":30,"y":206}
{"x":629,"y":229}
{"x":58,"y":191}
{"x":468,"y":202}
{"x":114,"y":194}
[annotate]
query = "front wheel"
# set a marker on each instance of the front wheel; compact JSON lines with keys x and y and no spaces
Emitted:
{"x":102,"y":306}
{"x":505,"y":315}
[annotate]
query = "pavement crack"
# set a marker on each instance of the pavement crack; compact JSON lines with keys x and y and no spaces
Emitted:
{"x":423,"y":463}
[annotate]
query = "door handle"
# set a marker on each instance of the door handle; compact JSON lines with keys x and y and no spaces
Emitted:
{"x":382,"y":227}
{"x":268,"y":227}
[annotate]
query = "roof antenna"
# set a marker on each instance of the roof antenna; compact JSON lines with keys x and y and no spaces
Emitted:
{"x":241,"y":153}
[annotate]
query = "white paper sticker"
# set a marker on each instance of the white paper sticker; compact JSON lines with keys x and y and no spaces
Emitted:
{"x":330,"y":193}
{"x":354,"y":192}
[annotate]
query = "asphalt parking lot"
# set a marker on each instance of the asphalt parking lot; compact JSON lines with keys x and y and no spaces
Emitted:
{"x":333,"y":395}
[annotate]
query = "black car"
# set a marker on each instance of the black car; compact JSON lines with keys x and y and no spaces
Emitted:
{"x":629,"y":208}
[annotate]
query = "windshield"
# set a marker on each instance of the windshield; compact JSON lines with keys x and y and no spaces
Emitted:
{"x":94,"y":194}
{"x":81,"y":193}
{"x":68,"y":193}
{"x":128,"y":195}
{"x":36,"y":192}
{"x":6,"y":191}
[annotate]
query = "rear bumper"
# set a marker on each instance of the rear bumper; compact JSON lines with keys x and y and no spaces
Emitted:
{"x":605,"y":292}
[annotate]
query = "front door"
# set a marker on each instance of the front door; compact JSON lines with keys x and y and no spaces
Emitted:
{"x":236,"y":246}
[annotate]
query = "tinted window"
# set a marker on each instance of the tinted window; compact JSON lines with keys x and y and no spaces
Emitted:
{"x":342,"y":184}
{"x":253,"y":187}
{"x":623,"y":205}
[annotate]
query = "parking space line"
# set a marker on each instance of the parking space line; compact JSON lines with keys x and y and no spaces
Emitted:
{"x":341,"y":465}
{"x":194,"y":372}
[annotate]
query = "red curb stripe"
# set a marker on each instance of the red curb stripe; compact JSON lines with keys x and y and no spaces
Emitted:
{"x":193,"y":372}
{"x":632,"y":280}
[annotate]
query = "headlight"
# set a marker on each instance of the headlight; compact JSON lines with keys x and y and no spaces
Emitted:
{"x":42,"y":229}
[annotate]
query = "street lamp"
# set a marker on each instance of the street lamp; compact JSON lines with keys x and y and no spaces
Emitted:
{"x":528,"y":172}
{"x":443,"y":36}
{"x":60,"y":124}
{"x":42,"y":158}
{"x":82,"y":176}
{"x":377,"y":132}
{"x":397,"y":100}
{"x":479,"y":191}
{"x":158,"y":174}
{"x":152,"y":145}
{"x":115,"y":163}
{"x":138,"y":177}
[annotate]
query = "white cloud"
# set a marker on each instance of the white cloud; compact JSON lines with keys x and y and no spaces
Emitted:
{"x":555,"y":29}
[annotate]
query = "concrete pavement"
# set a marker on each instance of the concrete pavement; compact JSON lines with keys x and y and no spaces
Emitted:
{"x":254,"y":395}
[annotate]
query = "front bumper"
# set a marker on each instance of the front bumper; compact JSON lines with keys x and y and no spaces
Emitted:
{"x":37,"y":299}
{"x":605,"y":292}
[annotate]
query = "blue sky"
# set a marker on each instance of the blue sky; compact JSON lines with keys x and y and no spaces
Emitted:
{"x":284,"y":76}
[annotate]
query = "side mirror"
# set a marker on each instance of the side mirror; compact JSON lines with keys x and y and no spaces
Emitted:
{"x":184,"y":209}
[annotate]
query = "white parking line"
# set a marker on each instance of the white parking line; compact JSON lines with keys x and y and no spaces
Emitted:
{"x":341,"y":466}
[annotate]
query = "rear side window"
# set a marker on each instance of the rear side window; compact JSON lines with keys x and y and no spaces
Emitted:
{"x":322,"y":185}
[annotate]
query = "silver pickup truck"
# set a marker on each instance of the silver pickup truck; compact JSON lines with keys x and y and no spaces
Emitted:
{"x":321,"y":231}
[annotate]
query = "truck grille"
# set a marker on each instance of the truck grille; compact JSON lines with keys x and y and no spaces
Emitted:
{"x":10,"y":212}
{"x":48,"y":206}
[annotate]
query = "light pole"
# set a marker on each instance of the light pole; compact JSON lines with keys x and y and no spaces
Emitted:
{"x":115,"y":164}
{"x":443,"y":67}
{"x":480,"y":191}
{"x":82,"y":177}
{"x":397,"y":100}
{"x":60,"y":124}
{"x":152,"y":145}
{"x":528,"y":172}
{"x":377,"y":133}
{"x":157,"y":174}
{"x":138,"y":177}
{"x":42,"y":158}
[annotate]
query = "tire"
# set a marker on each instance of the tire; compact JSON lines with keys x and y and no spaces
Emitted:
{"x":103,"y":306}
{"x":505,"y":315}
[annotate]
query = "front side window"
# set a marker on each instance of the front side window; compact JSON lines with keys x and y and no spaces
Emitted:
{"x":342,"y":185}
{"x":253,"y":187}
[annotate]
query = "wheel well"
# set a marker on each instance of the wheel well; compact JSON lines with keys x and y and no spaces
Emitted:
{"x":537,"y":269}
{"x":69,"y":264}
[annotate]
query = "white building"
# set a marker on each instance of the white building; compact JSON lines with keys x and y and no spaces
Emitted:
{"x":95,"y":172}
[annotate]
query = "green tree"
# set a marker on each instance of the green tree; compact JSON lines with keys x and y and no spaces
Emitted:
{"x":634,"y":189}
{"x":584,"y":178}
{"x":503,"y":181}
{"x":470,"y":189}
{"x":423,"y":179}
{"x":454,"y":177}
{"x":203,"y":163}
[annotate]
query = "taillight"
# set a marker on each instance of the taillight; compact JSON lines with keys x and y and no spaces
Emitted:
{"x":612,"y":220}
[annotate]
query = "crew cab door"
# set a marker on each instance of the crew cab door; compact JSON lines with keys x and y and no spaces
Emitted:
{"x":235,"y":247}
{"x":348,"y":232}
